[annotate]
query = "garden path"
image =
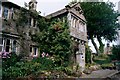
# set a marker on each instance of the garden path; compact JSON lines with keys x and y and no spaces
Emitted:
{"x":100,"y":73}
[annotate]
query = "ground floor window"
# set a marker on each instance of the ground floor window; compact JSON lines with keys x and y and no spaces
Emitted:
{"x":14,"y":46}
{"x":7,"y":45}
{"x":1,"y":44}
{"x":34,"y":51}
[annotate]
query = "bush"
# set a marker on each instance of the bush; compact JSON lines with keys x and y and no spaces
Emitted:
{"x":116,"y":53}
{"x":88,"y":54}
{"x":107,"y":66}
{"x":46,"y":63}
{"x":25,"y":68}
{"x":22,"y":69}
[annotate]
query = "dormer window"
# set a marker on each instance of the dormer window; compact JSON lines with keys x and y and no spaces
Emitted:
{"x":5,"y":13}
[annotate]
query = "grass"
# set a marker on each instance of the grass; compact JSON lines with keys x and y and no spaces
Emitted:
{"x":102,"y":59}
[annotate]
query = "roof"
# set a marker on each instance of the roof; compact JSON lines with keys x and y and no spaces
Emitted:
{"x":34,"y":1}
{"x":66,"y":10}
{"x":10,"y":4}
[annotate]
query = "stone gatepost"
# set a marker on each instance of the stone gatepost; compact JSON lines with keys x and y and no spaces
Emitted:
{"x":80,"y":56}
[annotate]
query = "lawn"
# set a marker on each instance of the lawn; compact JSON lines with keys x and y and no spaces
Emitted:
{"x":102,"y":59}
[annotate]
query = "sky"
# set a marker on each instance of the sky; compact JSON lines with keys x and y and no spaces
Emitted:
{"x":49,"y":6}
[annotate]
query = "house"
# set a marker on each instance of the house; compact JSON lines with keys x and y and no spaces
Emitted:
{"x":108,"y":49}
{"x":11,"y":36}
{"x":77,"y":27}
{"x":14,"y":38}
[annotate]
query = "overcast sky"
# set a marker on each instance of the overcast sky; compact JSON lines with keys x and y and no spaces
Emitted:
{"x":49,"y":6}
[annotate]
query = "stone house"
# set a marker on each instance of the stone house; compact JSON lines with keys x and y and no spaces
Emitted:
{"x":77,"y":28}
{"x":11,"y":38}
{"x":10,"y":35}
{"x":108,"y":49}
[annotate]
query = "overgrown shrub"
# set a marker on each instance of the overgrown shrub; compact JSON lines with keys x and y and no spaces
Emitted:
{"x":88,"y":54}
{"x":116,"y":53}
{"x":107,"y":66}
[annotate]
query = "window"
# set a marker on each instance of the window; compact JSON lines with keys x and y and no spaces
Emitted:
{"x":12,"y":12}
{"x":30,"y":49}
{"x":71,"y":21}
{"x":34,"y":23}
{"x":7,"y":45}
{"x":74,"y":23}
{"x":81,"y":26}
{"x":35,"y":51}
{"x":29,"y":21}
{"x":1,"y":44}
{"x":5,"y":13}
{"x":0,"y":10}
{"x":14,"y":45}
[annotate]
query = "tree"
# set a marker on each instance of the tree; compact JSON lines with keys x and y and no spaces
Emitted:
{"x":101,"y":22}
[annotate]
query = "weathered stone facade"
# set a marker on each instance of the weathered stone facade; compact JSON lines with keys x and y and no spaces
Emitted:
{"x":77,"y":27}
{"x":11,"y":35}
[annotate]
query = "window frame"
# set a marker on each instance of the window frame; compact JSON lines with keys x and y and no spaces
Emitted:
{"x":6,"y":12}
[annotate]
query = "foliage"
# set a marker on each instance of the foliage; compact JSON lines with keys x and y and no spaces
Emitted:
{"x":73,"y":71}
{"x":100,"y":24}
{"x":102,"y":59}
{"x":47,"y":64}
{"x":102,"y":56}
{"x":88,"y":54}
{"x":116,"y":53}
{"x":10,"y":60}
{"x":55,"y":41}
{"x":108,"y":65}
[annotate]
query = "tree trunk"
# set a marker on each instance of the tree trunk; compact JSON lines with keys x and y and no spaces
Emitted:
{"x":101,"y":47}
{"x":95,"y":46}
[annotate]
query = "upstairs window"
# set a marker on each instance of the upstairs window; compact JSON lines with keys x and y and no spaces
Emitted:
{"x":12,"y":13}
{"x":5,"y":13}
{"x":0,"y":9}
{"x":29,"y":21}
{"x":81,"y":27}
{"x":34,"y":23}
